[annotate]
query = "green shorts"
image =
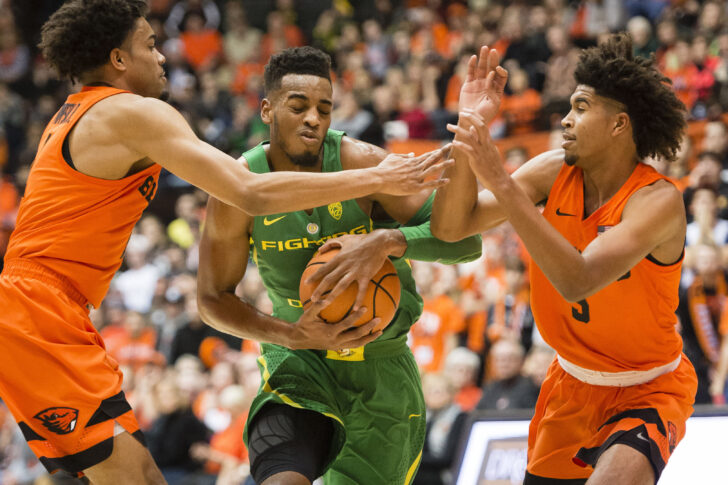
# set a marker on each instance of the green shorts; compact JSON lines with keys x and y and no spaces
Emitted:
{"x":374,"y":398}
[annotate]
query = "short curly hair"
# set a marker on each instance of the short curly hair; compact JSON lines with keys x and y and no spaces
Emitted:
{"x":296,"y":60}
{"x":79,"y":36}
{"x":657,"y":116}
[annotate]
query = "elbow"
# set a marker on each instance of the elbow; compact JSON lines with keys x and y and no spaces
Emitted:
{"x":205,"y":304}
{"x":250,"y":201}
{"x":574,"y":293}
{"x":445,"y":233}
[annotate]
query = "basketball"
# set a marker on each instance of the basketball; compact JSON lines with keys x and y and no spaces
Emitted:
{"x":381,"y":299}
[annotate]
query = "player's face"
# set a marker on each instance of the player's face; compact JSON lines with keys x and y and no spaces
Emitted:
{"x":299,"y":114}
{"x":588,"y":126}
{"x":144,"y":74}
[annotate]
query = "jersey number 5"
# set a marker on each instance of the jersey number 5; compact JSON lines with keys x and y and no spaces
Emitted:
{"x":582,"y":313}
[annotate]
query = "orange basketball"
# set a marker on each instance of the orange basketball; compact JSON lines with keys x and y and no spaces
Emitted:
{"x":381,"y":300}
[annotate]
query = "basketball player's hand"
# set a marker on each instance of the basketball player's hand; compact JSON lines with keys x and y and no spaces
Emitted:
{"x":360,"y":258}
{"x":477,"y":145}
{"x":406,"y":174}
{"x":484,"y":83}
{"x":311,"y":332}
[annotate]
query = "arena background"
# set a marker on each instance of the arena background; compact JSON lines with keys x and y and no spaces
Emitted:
{"x":398,"y":67}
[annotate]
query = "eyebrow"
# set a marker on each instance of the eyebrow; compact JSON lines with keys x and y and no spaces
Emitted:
{"x":305,"y":98}
{"x":581,"y":99}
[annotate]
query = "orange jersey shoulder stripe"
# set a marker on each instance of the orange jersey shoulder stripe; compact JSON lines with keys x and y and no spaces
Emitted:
{"x":628,"y":325}
{"x":72,"y":223}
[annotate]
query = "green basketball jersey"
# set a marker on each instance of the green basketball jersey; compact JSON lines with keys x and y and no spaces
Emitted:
{"x":282,"y":244}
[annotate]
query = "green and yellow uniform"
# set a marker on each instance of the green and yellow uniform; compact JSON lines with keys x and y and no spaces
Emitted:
{"x":373,"y":394}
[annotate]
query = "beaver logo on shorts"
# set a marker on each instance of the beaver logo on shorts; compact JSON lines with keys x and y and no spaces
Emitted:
{"x":671,"y":435}
{"x":58,"y":420}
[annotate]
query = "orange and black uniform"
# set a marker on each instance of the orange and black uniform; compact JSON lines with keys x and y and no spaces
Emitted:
{"x":628,"y":329}
{"x":56,"y":377}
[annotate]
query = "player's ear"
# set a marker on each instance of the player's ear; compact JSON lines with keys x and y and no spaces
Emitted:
{"x":266,"y":107}
{"x":621,"y":123}
{"x":117,"y":59}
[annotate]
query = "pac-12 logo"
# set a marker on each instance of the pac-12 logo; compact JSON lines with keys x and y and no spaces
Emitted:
{"x":59,"y":420}
{"x":336,"y":210}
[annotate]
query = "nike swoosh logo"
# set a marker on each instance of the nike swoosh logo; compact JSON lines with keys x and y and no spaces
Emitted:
{"x":641,"y":436}
{"x":414,"y":416}
{"x":559,"y":213}
{"x":268,"y":222}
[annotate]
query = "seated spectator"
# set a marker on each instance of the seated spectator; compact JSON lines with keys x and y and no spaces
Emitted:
{"x":559,"y":82}
{"x":189,"y":336}
{"x":202,"y":46}
{"x":227,"y":444}
{"x":462,"y":368}
{"x":508,"y":389}
{"x":133,"y":343}
{"x":706,"y":227}
{"x":138,"y":282}
{"x":522,"y":107}
{"x":701,"y":306}
{"x":445,"y":422}
{"x":174,"y":431}
{"x":537,"y":363}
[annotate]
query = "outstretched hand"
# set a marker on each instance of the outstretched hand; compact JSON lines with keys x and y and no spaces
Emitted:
{"x":477,"y":145}
{"x":406,"y":174}
{"x":484,"y":83}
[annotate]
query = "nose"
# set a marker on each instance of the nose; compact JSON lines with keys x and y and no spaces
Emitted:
{"x":161,"y":59}
{"x":312,"y":118}
{"x":566,"y":121}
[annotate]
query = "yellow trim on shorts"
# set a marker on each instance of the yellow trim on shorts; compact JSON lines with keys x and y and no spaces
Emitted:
{"x":283,"y":397}
{"x":412,"y":468}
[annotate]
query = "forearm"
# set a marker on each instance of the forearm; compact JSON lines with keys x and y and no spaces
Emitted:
{"x":291,"y":191}
{"x":455,"y":202}
{"x":229,"y":314}
{"x":421,"y":245}
{"x":562,"y":264}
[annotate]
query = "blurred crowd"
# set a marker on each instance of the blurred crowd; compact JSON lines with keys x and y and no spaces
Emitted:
{"x":398,"y":66}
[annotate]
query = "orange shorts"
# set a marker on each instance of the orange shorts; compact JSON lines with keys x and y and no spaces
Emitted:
{"x":56,"y":378}
{"x":575,"y":422}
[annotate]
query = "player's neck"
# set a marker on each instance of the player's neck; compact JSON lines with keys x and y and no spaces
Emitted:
{"x":602,"y":180}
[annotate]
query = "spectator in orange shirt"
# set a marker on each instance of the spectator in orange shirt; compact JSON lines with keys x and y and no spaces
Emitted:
{"x":202,"y":46}
{"x":279,"y":36}
{"x":227,"y":445}
{"x":432,"y":337}
{"x":522,"y":107}
{"x":133,"y":343}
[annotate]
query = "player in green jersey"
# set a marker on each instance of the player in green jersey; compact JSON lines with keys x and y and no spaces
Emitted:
{"x":355,"y":416}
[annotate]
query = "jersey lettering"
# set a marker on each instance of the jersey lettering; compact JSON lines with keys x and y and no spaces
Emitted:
{"x":304,"y":242}
{"x":148,"y":188}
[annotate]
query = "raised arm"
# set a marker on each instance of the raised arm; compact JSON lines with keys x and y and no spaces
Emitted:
{"x":151,"y":128}
{"x":455,"y":204}
{"x":653,"y":222}
{"x":223,"y":259}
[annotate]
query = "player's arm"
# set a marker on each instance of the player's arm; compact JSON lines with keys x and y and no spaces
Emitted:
{"x":653,"y":221}
{"x":224,"y":252}
{"x":153,"y":129}
{"x":362,"y":255}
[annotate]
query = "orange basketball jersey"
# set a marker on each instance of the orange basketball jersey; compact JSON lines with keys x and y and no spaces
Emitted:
{"x":628,"y":325}
{"x":71,"y":223}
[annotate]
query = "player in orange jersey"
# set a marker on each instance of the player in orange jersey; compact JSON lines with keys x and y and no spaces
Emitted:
{"x":607,"y":251}
{"x":95,"y":172}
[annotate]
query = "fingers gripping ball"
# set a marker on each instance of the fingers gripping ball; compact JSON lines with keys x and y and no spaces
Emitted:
{"x":381,"y":299}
